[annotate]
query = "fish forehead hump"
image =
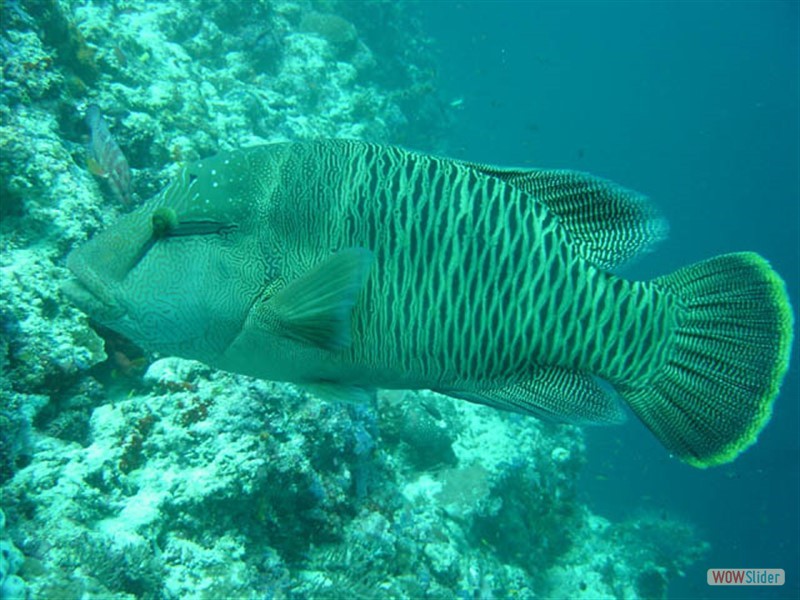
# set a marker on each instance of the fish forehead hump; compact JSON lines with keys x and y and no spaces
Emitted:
{"x":229,"y":184}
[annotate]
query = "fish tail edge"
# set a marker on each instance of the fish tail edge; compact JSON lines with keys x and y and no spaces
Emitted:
{"x":728,"y":356}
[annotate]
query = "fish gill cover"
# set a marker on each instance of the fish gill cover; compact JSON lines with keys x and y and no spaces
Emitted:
{"x":165,"y":478}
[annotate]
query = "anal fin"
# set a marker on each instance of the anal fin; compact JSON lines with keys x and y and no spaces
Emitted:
{"x":551,"y":394}
{"x":338,"y":392}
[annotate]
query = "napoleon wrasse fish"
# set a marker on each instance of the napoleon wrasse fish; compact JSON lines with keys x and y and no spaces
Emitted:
{"x":345,"y":266}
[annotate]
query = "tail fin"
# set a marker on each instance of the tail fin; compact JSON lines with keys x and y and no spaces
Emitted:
{"x":730,"y":352}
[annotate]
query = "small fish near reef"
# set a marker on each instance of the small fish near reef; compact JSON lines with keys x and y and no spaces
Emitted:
{"x":345,"y":266}
{"x":105,"y":159}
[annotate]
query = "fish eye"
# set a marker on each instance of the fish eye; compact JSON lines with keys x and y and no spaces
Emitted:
{"x":164,"y":221}
{"x":166,"y":225}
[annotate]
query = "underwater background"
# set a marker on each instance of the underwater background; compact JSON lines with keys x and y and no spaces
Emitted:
{"x":127,"y":475}
{"x":696,"y":104}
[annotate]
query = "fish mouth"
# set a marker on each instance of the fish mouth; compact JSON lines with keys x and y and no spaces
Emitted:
{"x":100,"y":306}
{"x":91,"y":291}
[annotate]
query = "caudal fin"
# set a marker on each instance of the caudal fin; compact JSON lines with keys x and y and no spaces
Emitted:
{"x":714,"y":393}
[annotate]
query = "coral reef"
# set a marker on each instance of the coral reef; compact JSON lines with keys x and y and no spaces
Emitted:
{"x":126,"y":475}
{"x":213,"y":485}
{"x":12,"y":587}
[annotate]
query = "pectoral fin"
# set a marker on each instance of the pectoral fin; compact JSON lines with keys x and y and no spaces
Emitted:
{"x":316,"y":308}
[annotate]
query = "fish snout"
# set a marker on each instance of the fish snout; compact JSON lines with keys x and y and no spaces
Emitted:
{"x":88,"y":291}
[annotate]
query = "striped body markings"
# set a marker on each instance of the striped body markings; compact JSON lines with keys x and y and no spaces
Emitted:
{"x":475,"y":280}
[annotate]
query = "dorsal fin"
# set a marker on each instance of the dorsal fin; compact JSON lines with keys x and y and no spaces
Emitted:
{"x":609,"y":223}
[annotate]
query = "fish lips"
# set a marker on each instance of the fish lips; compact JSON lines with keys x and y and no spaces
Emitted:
{"x":86,"y":290}
{"x":90,"y":303}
